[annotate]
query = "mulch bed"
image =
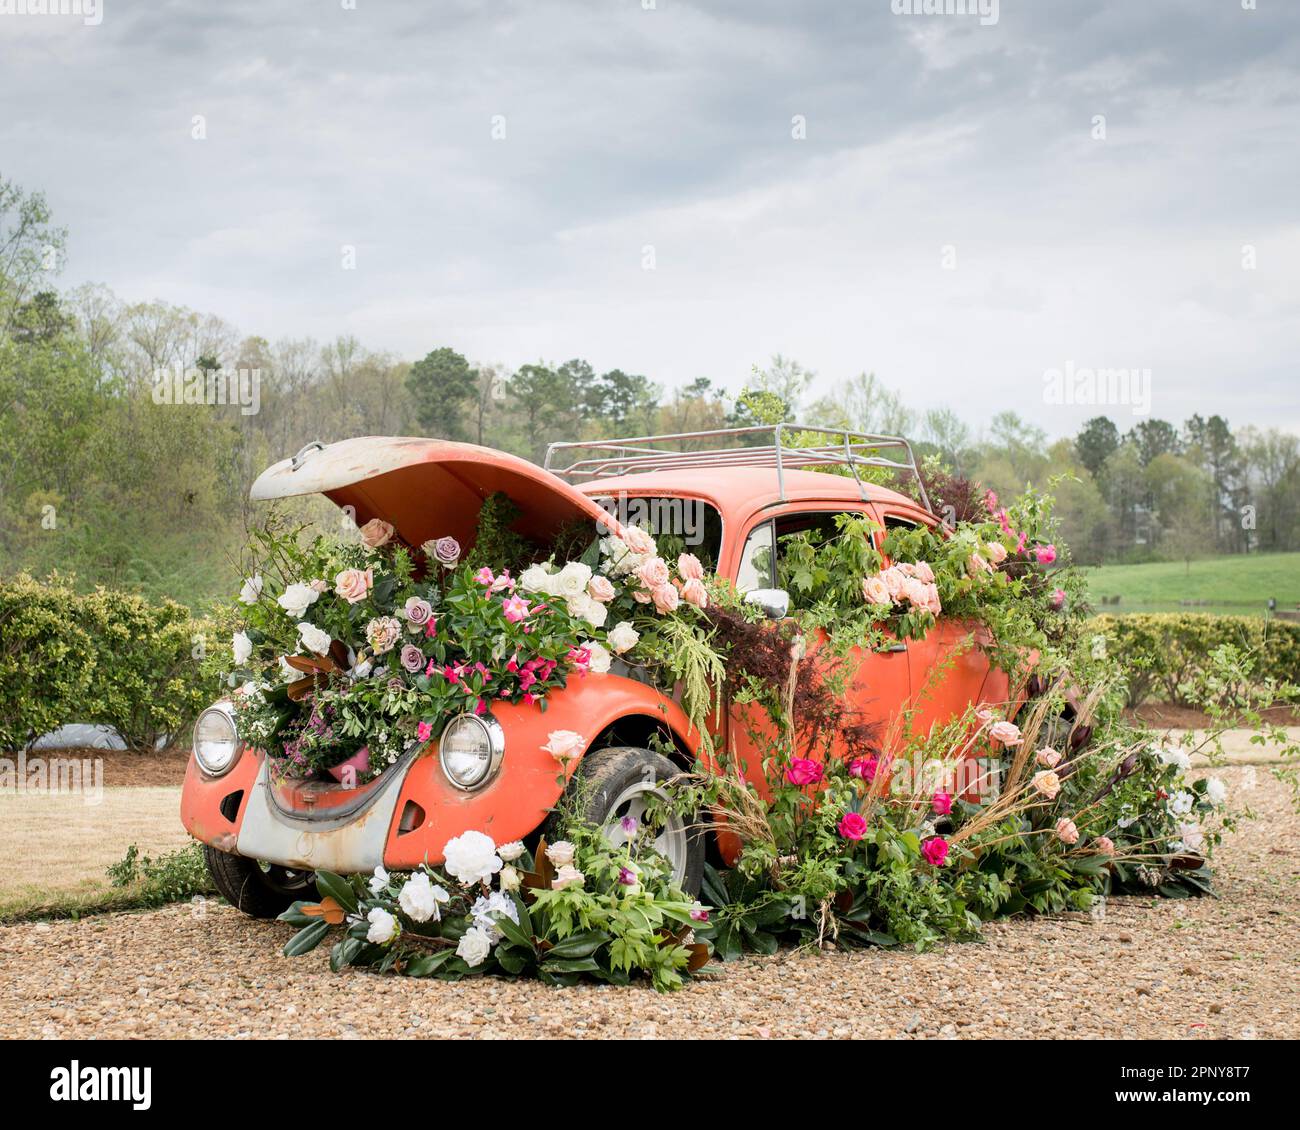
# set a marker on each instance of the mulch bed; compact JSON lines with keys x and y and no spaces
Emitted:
{"x":126,"y":769}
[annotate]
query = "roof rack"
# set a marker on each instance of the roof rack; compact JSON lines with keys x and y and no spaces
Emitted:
{"x":789,"y":446}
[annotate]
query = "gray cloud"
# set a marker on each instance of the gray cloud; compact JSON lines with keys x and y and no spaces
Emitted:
{"x":672,"y":128}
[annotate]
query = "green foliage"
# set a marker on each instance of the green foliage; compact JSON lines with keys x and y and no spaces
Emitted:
{"x":100,"y":657}
{"x":173,"y":876}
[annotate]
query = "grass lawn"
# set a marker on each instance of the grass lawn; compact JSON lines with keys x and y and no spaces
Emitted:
{"x":1239,"y":585}
{"x":56,"y":847}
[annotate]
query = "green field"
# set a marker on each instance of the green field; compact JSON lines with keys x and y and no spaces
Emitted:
{"x":1238,"y":585}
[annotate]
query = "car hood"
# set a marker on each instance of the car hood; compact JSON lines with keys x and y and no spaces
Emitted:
{"x":428,"y":488}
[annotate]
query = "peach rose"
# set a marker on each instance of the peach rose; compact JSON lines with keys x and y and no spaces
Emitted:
{"x":665,"y":597}
{"x":1047,"y":783}
{"x":1048,"y":758}
{"x":599,"y":588}
{"x":1066,"y":832}
{"x":377,"y":532}
{"x":924,"y":572}
{"x":896,"y":582}
{"x":875,"y":591}
{"x":1008,"y":733}
{"x":977,"y":564}
{"x":653,"y":573}
{"x":1105,"y":845}
{"x":997,"y":552}
{"x":688,"y":565}
{"x":353,"y":585}
{"x":638,"y":541}
{"x":694,"y":592}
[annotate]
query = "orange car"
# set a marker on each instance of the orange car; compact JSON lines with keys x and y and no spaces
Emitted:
{"x":730,"y":503}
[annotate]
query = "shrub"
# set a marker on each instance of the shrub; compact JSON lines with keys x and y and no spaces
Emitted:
{"x":1165,"y":653}
{"x":102,"y":657}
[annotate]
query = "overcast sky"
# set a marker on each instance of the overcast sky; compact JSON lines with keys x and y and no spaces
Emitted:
{"x":671,"y":129}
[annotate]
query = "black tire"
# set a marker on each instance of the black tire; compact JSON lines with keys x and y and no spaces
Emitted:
{"x":606,"y":774}
{"x":258,"y":893}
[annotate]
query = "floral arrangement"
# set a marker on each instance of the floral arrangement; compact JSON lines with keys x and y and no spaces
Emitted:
{"x":574,"y":908}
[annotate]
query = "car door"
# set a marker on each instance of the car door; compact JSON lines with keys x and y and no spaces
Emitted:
{"x":879,"y":687}
{"x":948,"y":667}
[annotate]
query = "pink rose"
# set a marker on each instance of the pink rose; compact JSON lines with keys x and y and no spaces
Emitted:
{"x":896,"y":583}
{"x":942,"y":804}
{"x":377,"y":532}
{"x":1046,"y":554}
{"x":1008,"y":733}
{"x":694,"y":592}
{"x":599,"y":588}
{"x":353,"y":585}
{"x":875,"y":591}
{"x":997,"y":552}
{"x":1066,"y":832}
{"x":853,"y":826}
{"x":564,"y":745}
{"x":924,"y":572}
{"x":666,"y":598}
{"x":931,"y":601}
{"x":1105,"y":845}
{"x":803,"y":771}
{"x":935,"y":851}
{"x":1048,"y":758}
{"x":417,"y":611}
{"x":638,"y":541}
{"x":688,"y":565}
{"x":863,"y":768}
{"x":318,"y":586}
{"x":653,"y":573}
{"x":977,"y":564}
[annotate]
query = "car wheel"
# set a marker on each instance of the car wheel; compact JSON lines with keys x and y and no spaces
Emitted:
{"x":259,"y":890}
{"x":617,"y":782}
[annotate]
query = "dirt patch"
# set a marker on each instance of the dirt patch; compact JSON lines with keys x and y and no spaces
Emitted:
{"x":1151,"y":968}
{"x":1167,"y":716}
{"x":120,"y":768}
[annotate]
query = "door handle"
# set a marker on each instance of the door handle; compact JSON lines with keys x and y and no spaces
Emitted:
{"x":898,"y":647}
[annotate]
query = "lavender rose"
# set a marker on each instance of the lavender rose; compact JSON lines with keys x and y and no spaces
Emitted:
{"x":412,"y":658}
{"x":417,"y":612}
{"x":445,"y":551}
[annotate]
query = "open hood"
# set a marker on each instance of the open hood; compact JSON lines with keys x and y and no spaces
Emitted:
{"x":428,"y":488}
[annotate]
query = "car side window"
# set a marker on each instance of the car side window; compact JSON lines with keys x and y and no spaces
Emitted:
{"x":894,"y":522}
{"x":757,"y":560}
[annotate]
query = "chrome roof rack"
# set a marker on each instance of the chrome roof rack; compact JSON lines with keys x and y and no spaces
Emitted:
{"x":794,"y":446}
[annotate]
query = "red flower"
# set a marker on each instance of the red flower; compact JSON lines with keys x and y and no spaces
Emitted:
{"x":853,"y":826}
{"x":803,"y":771}
{"x":935,"y":851}
{"x":942,"y":804}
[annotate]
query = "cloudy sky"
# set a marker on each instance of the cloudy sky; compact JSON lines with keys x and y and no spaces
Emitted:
{"x":508,"y":171}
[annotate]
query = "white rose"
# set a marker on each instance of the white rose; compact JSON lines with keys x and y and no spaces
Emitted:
{"x":489,"y":908}
{"x":291,"y":674}
{"x":252,"y":589}
{"x":297,"y":598}
{"x":598,"y":658}
{"x":623,"y":637}
{"x":1175,"y":755}
{"x":472,"y":858}
{"x":509,"y":879}
{"x":578,"y":605}
{"x":474,"y":946}
{"x":242,"y":647}
{"x":1216,"y":792}
{"x":419,"y":898}
{"x":534,"y":579}
{"x":313,"y":639}
{"x":1180,"y":804}
{"x":511,"y":851}
{"x":560,"y":853}
{"x":595,"y":613}
{"x":383,"y":926}
{"x":379,"y":880}
{"x":572,"y":580}
{"x":567,"y":877}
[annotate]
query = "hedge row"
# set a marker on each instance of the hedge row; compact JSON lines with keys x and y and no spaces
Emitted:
{"x":1165,"y":651}
{"x":102,"y":657}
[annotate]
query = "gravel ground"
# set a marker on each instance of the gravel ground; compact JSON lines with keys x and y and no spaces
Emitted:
{"x":1192,"y":969}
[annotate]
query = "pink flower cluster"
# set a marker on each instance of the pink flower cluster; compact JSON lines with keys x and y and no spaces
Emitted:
{"x":913,"y":583}
{"x":1045,"y":554}
{"x":660,"y":588}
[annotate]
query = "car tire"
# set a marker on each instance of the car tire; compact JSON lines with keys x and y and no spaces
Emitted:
{"x":258,"y":893}
{"x":608,"y":783}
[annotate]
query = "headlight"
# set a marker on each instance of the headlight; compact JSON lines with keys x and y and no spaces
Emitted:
{"x":470,"y":749}
{"x":216,"y":740}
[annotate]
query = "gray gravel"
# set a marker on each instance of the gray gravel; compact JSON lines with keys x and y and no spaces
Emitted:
{"x":1190,"y":969}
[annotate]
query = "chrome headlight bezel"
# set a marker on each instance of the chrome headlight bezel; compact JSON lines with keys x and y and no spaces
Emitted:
{"x":496,"y":741}
{"x":216,"y":768}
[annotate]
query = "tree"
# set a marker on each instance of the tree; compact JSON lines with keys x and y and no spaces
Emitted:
{"x":1153,"y":438}
{"x":785,"y":379}
{"x":1096,"y":442}
{"x":863,"y":403}
{"x":443,"y":388}
{"x":29,"y":245}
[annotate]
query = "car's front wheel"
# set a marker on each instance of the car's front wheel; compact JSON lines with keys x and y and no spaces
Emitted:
{"x":623,"y":782}
{"x":259,"y":890}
